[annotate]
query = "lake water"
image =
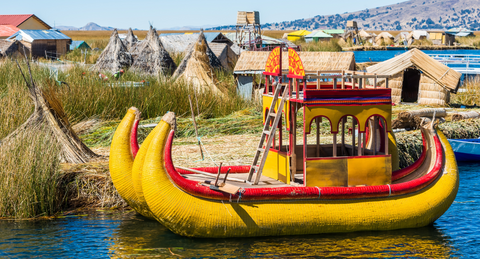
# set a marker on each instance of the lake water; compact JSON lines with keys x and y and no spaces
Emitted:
{"x":382,"y":55}
{"x":101,"y":234}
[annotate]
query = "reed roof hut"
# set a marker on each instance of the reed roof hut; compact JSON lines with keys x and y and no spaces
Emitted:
{"x":114,"y":57}
{"x":130,"y":40}
{"x":385,"y":37}
{"x":196,"y":67}
{"x":151,"y":57}
{"x":8,"y":48}
{"x":416,"y":77}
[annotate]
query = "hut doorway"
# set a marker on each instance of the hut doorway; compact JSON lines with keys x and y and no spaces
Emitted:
{"x":410,"y":87}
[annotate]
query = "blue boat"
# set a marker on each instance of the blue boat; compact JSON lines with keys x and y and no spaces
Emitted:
{"x":466,"y":150}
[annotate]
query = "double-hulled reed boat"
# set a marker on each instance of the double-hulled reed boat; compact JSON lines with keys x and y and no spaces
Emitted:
{"x":344,"y":181}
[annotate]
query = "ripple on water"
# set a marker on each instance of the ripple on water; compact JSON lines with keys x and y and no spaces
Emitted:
{"x":124,"y":234}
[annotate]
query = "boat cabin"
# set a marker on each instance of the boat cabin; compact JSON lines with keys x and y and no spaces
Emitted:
{"x":333,"y":129}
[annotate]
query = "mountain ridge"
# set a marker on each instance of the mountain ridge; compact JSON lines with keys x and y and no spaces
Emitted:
{"x":407,"y":15}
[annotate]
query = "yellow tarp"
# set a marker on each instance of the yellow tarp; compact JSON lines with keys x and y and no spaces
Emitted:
{"x":296,"y":35}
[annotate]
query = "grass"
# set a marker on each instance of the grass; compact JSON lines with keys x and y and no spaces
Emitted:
{"x":30,"y":176}
{"x":471,"y":96}
{"x":469,"y":41}
{"x":331,"y":45}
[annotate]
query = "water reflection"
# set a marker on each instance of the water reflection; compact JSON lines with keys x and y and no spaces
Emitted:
{"x":137,"y":236}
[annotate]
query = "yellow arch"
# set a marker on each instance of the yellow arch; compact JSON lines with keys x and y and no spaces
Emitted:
{"x":187,"y":215}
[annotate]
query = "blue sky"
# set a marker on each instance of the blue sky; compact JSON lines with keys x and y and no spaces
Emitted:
{"x":175,"y":13}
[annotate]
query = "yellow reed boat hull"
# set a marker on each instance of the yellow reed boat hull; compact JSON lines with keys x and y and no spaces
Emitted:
{"x":192,"y":216}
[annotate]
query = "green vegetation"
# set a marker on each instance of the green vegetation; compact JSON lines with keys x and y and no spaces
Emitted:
{"x":471,"y":95}
{"x":30,"y":176}
{"x":331,"y":46}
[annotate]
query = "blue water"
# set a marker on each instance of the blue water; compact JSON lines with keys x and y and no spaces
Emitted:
{"x":102,"y":234}
{"x":382,"y":55}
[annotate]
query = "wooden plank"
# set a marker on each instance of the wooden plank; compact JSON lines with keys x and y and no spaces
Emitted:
{"x":227,"y":188}
{"x":207,"y":174}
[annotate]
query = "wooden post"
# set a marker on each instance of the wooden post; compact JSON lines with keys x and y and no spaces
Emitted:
{"x":334,"y":144}
{"x":218,"y":174}
{"x":375,"y":81}
{"x":343,"y":79}
{"x":353,"y":80}
{"x":290,"y":88}
{"x":293,"y":139}
{"x":266,"y":91}
{"x":318,"y":136}
{"x":296,"y":88}
{"x":386,"y":82}
{"x":364,"y":142}
{"x":386,"y":140}
{"x":335,"y":83}
{"x":343,"y":136}
{"x":353,"y":136}
{"x":374,"y":135}
{"x":364,"y":80}
{"x":195,"y":125}
{"x":359,"y":147}
{"x":318,"y":80}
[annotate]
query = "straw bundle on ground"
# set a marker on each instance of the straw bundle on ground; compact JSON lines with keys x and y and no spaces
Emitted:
{"x":49,"y":116}
{"x":465,"y":115}
{"x":196,"y":67}
{"x":412,"y":119}
{"x":151,"y":57}
{"x":114,"y":57}
{"x":130,"y":41}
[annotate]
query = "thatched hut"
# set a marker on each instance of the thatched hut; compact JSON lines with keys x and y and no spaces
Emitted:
{"x":401,"y":37}
{"x":114,"y":57}
{"x":8,"y":48}
{"x":225,"y":54}
{"x":130,"y":40}
{"x":251,"y":64}
{"x":384,"y":38}
{"x":151,"y":57}
{"x":418,"y":78}
{"x":196,"y":67}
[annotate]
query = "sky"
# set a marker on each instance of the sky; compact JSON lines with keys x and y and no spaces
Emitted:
{"x":175,"y":13}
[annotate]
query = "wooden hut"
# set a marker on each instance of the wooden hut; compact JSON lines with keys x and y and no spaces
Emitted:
{"x":225,"y":54}
{"x":251,"y":65}
{"x":418,"y":78}
{"x":42,"y":43}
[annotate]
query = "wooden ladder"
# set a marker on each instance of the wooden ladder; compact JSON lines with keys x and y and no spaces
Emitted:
{"x":268,"y":134}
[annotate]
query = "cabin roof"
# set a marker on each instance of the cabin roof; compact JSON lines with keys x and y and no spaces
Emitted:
{"x":32,"y":35}
{"x":312,"y":61}
{"x":17,"y":19}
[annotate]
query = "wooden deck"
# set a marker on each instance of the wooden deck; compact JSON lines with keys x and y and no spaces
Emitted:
{"x":265,"y":182}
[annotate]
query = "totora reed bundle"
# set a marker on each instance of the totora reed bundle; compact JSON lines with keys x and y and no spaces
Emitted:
{"x":114,"y":57}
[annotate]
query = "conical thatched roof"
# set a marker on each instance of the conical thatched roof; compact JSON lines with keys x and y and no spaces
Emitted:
{"x":151,"y":57}
{"x":130,"y":40}
{"x":114,"y":57}
{"x":196,"y":67}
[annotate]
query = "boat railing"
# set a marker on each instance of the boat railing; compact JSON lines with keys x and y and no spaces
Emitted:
{"x":463,"y":63}
{"x":329,"y":80}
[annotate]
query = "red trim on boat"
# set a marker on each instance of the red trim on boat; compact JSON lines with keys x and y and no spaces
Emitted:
{"x":407,"y":170}
{"x":133,"y":139}
{"x":281,"y":193}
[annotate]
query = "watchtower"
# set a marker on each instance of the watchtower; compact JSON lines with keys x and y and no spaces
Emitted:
{"x":352,"y":31}
{"x":248,"y":29}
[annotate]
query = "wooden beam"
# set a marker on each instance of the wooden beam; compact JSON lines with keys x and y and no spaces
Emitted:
{"x":334,"y":144}
{"x":318,"y":136}
{"x":353,"y":136}
{"x":207,"y":174}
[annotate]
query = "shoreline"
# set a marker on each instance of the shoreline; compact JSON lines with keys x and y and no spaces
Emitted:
{"x":420,"y":47}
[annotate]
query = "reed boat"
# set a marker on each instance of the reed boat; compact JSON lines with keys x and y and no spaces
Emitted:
{"x":346,"y":181}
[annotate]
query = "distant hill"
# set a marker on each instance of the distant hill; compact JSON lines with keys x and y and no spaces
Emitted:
{"x":91,"y":26}
{"x":409,"y":15}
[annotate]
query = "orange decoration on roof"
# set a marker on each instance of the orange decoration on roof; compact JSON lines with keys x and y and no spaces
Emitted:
{"x":273,"y":66}
{"x":295,"y":65}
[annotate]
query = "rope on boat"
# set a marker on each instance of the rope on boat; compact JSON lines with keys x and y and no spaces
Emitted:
{"x":227,"y":209}
{"x":319,"y":192}
{"x":206,"y":151}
